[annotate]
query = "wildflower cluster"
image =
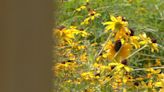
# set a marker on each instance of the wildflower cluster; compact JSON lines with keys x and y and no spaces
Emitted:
{"x":87,"y":65}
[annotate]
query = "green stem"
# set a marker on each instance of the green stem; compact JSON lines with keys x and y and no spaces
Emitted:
{"x":136,"y":51}
{"x":103,"y":46}
{"x":139,"y":69}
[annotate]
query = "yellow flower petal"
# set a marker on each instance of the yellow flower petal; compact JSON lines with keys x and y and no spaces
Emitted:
{"x":113,"y":18}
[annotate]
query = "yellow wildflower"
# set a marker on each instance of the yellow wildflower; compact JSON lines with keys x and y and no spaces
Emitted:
{"x":64,"y":66}
{"x":66,"y":35}
{"x":100,"y":67}
{"x":77,"y":46}
{"x":122,"y":50}
{"x":160,"y":84}
{"x":125,"y":51}
{"x":87,"y":0}
{"x":63,"y":35}
{"x":122,"y":33}
{"x":150,"y":42}
{"x":154,"y":45}
{"x":94,"y":44}
{"x":89,"y":90}
{"x":125,"y":79}
{"x":81,"y":8}
{"x":83,"y":57}
{"x":151,"y":70}
{"x":144,"y":39}
{"x":71,"y":56}
{"x":150,"y":84}
{"x":134,"y":40}
{"x":124,"y":90}
{"x":74,"y":30}
{"x":83,"y":32}
{"x":69,"y":81}
{"x":158,"y":62}
{"x":77,"y":81}
{"x":116,"y":23}
{"x":120,"y":66}
{"x":110,"y":50}
{"x":87,"y":75}
{"x":91,"y":16}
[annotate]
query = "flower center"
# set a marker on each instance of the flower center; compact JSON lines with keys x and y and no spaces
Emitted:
{"x":117,"y":45}
{"x":118,"y":25}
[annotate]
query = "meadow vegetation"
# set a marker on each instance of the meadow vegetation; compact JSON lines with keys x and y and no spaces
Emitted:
{"x":109,"y":46}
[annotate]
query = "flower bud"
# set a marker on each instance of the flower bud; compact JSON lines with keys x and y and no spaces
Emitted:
{"x":153,"y":40}
{"x":61,"y":27}
{"x":131,"y":32}
{"x":136,"y":83}
{"x":124,"y":62}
